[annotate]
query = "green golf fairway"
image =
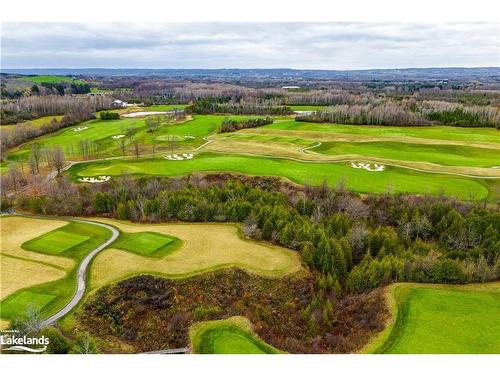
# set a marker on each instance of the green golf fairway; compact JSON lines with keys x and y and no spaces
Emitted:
{"x":393,"y":178}
{"x":428,"y":132}
{"x":100,"y":132}
{"x":438,"y":154}
{"x":445,"y":319}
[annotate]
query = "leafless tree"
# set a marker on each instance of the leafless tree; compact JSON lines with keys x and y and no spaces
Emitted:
{"x":58,"y":159}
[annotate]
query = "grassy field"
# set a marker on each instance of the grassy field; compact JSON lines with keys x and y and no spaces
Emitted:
{"x":229,"y":336}
{"x":205,"y":247}
{"x":35,"y":122}
{"x":441,"y":133}
{"x":439,"y":154}
{"x":392,"y":179}
{"x":49,"y":79}
{"x":30,"y":268}
{"x":441,"y":319}
{"x":186,"y":135}
{"x":306,"y":107}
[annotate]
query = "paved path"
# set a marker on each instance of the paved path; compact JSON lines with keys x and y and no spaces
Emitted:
{"x":169,"y":351}
{"x":82,"y":269}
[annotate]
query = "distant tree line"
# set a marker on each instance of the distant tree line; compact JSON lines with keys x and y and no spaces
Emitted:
{"x":407,"y":113}
{"x":27,"y":108}
{"x":218,"y":105}
{"x":361,"y":243}
{"x":24,"y":132}
{"x":229,"y":125}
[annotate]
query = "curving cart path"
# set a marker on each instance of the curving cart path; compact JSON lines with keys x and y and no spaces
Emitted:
{"x":82,"y":270}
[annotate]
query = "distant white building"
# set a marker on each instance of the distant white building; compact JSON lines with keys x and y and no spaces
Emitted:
{"x":290,"y":87}
{"x":118,"y":104}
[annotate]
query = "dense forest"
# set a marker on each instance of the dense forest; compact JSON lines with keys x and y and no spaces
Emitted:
{"x":359,"y":243}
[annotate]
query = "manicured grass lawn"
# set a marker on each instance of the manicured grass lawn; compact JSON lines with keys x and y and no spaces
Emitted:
{"x":147,"y":243}
{"x":438,"y":154}
{"x":444,"y":319}
{"x":392,"y":179}
{"x":18,"y":304}
{"x":229,"y":336}
{"x":427,"y":132}
{"x":55,"y":242}
{"x":268,"y":138}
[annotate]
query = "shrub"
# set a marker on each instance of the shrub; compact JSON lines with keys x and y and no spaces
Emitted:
{"x":57,"y":343}
{"x":109,"y":116}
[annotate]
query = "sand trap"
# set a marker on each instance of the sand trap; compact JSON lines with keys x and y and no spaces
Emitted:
{"x":189,"y":137}
{"x":80,"y":129}
{"x":94,"y":180}
{"x":496,"y":167}
{"x":368,"y":166}
{"x":118,"y":136}
{"x":179,"y":157}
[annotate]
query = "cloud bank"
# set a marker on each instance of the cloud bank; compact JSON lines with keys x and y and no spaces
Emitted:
{"x":249,"y":45}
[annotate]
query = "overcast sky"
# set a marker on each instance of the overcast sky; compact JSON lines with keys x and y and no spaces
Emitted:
{"x":249,"y":45}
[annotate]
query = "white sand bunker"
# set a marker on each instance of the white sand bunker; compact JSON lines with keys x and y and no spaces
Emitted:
{"x":118,"y":136}
{"x":94,"y":180}
{"x":179,"y":157}
{"x":189,"y":137}
{"x":80,"y":129}
{"x":496,"y":167}
{"x":369,"y":167}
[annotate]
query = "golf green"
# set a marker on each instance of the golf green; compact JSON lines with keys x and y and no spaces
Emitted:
{"x":147,"y":243}
{"x":55,"y":242}
{"x":230,"y":336}
{"x":19,"y":303}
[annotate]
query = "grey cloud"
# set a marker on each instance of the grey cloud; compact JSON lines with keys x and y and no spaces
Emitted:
{"x":249,"y":45}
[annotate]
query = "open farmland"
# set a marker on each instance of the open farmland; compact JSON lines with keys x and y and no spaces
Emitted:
{"x":205,"y":247}
{"x":427,"y":316}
